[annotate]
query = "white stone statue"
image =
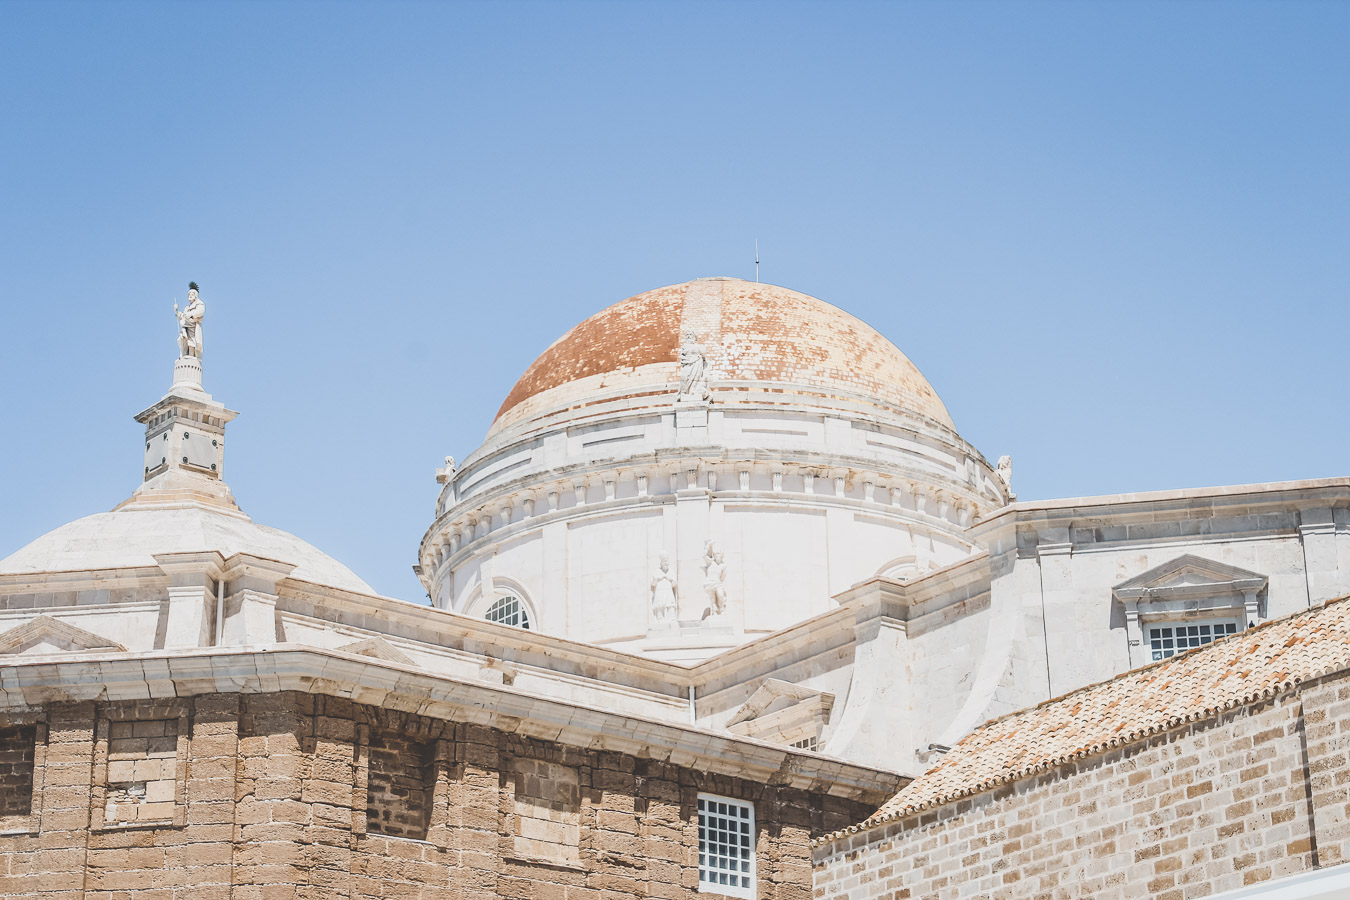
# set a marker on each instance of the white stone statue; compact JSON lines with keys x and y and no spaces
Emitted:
{"x":447,"y":472}
{"x":693,"y":371}
{"x":1005,"y":471}
{"x":190,"y":333}
{"x":714,"y":579}
{"x":665,"y":610}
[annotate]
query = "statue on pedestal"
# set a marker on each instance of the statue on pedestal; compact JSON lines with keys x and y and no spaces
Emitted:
{"x":714,"y":580}
{"x":693,"y":371}
{"x":665,"y":610}
{"x":190,"y":333}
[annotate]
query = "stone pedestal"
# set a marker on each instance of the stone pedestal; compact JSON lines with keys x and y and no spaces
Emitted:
{"x":187,"y":373}
{"x":691,"y":422}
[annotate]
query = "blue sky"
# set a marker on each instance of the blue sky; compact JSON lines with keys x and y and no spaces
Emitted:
{"x":1113,"y":236}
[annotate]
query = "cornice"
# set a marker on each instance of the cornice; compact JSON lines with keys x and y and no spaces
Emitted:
{"x":33,"y":681}
{"x":532,"y":491}
{"x":1320,"y":491}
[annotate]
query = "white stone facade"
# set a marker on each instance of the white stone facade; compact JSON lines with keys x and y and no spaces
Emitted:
{"x":884,"y":592}
{"x":804,"y":488}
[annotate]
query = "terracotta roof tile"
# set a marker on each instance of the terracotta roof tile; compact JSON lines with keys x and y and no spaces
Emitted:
{"x":1228,"y":673}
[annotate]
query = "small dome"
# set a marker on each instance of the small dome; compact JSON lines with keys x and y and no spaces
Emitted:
{"x":131,"y":536}
{"x":749,"y":332}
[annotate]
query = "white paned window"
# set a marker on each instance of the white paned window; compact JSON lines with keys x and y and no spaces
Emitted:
{"x":509,"y":611}
{"x":806,"y":743}
{"x":1178,"y":637}
{"x":726,"y":846}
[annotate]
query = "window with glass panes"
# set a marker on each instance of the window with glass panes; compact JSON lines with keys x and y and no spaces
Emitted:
{"x":1178,"y":637}
{"x":726,"y":846}
{"x":509,"y":611}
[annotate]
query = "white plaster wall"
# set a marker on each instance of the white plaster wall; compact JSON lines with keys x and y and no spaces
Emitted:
{"x":133,"y":625}
{"x":944,"y":650}
{"x":767,"y":592}
{"x":607,"y":562}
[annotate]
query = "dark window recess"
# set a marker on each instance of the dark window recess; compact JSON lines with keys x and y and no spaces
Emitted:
{"x":16,"y":770}
{"x":399,"y":784}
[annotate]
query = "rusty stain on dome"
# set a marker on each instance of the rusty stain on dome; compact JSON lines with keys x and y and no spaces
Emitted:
{"x":749,"y":332}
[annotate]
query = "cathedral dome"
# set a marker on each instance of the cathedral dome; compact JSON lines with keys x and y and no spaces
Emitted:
{"x":132,"y":535}
{"x":751,"y":334}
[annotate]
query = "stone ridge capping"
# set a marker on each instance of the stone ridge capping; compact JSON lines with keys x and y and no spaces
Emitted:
{"x":1333,"y":492}
{"x":1271,"y":658}
{"x":173,"y":675}
{"x":509,"y":642}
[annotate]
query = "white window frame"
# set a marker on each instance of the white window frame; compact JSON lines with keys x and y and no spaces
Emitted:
{"x":522,"y":611}
{"x":737,"y":811}
{"x":1226,"y":623}
{"x":1188,"y":589}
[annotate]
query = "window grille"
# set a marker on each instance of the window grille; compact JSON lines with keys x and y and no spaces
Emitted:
{"x":509,"y":611}
{"x":726,"y":846}
{"x":1169,"y":640}
{"x":806,"y":743}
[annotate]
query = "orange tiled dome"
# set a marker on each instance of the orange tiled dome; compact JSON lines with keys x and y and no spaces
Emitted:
{"x":749,"y":333}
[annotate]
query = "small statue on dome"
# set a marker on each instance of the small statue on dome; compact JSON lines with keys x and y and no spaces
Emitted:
{"x":693,"y":371}
{"x":1005,"y":471}
{"x":190,"y":332}
{"x":665,"y":610}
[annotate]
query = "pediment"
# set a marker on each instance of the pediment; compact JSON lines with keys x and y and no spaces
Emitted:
{"x":1190,"y":574}
{"x":377,"y":648}
{"x":782,"y":711}
{"x":45,"y":634}
{"x":777,"y":694}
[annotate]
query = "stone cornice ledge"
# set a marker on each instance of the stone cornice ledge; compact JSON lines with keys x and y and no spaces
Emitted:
{"x":1197,"y":501}
{"x":28,"y":682}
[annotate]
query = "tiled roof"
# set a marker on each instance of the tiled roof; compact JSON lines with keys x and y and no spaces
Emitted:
{"x":748,"y":332}
{"x":1199,"y":684}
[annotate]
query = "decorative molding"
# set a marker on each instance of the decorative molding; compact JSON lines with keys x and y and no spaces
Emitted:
{"x":50,"y":630}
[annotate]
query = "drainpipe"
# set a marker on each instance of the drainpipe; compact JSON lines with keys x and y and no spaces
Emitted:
{"x":220,"y":609}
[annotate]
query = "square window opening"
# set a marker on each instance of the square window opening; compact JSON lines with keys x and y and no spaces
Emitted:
{"x":726,"y":846}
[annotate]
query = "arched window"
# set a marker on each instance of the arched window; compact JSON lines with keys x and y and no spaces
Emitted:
{"x":509,"y":610}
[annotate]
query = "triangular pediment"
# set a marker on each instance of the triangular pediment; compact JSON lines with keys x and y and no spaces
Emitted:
{"x":1190,"y":573}
{"x":48,"y":635}
{"x":378,"y":648}
{"x":783,"y":712}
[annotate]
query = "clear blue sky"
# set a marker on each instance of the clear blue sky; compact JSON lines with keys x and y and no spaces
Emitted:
{"x":1113,"y":236}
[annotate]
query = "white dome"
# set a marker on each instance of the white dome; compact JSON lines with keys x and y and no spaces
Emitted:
{"x":131,"y":536}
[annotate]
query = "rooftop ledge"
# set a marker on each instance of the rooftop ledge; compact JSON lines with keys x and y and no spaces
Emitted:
{"x":1338,"y":488}
{"x":102,"y":676}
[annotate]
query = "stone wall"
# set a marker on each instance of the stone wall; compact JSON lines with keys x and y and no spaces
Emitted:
{"x":1255,"y":794}
{"x":280,"y":796}
{"x":16,"y":775}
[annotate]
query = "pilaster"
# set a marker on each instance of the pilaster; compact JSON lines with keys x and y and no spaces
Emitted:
{"x":250,"y":607}
{"x":194,"y":580}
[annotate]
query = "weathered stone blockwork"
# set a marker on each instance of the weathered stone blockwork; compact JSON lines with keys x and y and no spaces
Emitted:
{"x":16,"y":775}
{"x":1252,"y":795}
{"x":283,"y":797}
